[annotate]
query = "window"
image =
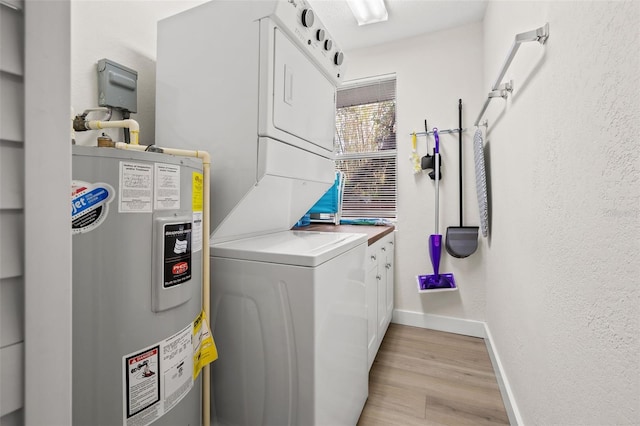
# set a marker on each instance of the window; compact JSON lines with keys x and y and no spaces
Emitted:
{"x":365,"y":143}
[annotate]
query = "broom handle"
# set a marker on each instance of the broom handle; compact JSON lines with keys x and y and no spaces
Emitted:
{"x":436,"y":154}
{"x":460,"y":154}
{"x":437,"y":190}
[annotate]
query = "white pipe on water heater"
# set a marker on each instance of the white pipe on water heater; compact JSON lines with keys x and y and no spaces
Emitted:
{"x":206,"y":172}
{"x":130,"y":124}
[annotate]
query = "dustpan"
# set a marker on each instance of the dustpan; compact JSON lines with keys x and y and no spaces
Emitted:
{"x":461,"y":241}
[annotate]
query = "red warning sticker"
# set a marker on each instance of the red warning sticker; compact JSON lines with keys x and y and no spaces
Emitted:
{"x":180,"y":268}
{"x":142,"y":380}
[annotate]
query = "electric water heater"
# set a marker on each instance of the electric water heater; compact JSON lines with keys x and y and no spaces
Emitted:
{"x":136,"y":221}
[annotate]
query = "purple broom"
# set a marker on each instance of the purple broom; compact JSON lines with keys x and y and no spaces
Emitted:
{"x":437,"y":281}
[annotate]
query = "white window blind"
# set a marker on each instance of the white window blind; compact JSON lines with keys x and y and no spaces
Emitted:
{"x":366,"y":147}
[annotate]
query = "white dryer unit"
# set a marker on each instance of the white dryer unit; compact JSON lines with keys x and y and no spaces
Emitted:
{"x":253,"y":83}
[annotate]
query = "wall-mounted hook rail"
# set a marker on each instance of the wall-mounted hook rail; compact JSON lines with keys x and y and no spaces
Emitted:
{"x":540,"y":35}
{"x":440,"y":132}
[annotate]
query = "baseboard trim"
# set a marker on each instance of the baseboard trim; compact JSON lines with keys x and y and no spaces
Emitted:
{"x":440,"y":323}
{"x":503,"y":383}
{"x":468,"y":328}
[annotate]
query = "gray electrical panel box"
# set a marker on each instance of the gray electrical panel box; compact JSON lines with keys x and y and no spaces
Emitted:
{"x":117,"y":86}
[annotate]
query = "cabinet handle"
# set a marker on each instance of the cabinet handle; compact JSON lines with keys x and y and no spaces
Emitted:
{"x":383,"y":248}
{"x":388,"y":266}
{"x":378,"y":277}
{"x":391,"y":242}
{"x":373,"y":257}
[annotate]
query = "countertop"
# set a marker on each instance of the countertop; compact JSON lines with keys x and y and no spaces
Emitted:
{"x":374,"y":233}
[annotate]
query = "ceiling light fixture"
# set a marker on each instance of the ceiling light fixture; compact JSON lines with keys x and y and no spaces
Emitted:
{"x":368,"y":11}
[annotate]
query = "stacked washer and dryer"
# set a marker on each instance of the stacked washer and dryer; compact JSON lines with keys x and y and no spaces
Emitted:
{"x":253,"y":83}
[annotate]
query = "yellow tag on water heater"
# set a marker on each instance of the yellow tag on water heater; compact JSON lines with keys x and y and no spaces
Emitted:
{"x":197,"y":189}
{"x":204,"y":348}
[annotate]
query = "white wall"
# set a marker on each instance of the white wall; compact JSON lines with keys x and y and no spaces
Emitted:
{"x":125,"y":32}
{"x":47,"y":236}
{"x":433,"y":72}
{"x":563,"y":273}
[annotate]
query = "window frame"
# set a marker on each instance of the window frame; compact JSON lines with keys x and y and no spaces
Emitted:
{"x":381,"y":155}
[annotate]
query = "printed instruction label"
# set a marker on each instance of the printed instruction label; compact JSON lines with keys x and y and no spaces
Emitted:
{"x":89,"y":205}
{"x":142,"y":381}
{"x":177,"y":359}
{"x":167,"y":187}
{"x":196,"y":234}
{"x":158,"y":377}
{"x":136,"y":188}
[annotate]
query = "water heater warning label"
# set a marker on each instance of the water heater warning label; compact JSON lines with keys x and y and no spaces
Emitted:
{"x":159,"y":376}
{"x":143,"y":383}
{"x":177,"y":254}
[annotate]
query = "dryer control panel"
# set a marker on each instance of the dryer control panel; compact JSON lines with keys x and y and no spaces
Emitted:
{"x":299,"y":19}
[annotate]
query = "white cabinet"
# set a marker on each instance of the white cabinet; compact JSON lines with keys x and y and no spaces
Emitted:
{"x":388,"y":250}
{"x":372,"y":306}
{"x":379,"y":292}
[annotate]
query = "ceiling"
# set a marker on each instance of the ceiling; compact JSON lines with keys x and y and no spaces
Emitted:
{"x":407,"y":18}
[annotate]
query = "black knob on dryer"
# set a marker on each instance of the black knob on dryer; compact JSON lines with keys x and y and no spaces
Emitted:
{"x":338,"y":58}
{"x":328,"y":45}
{"x":320,"y":34}
{"x":307,"y":18}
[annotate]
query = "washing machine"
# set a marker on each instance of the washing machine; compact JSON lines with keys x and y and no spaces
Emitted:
{"x":290,"y":326}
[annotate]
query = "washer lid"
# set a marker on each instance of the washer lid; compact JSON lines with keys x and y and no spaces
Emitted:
{"x":301,"y":248}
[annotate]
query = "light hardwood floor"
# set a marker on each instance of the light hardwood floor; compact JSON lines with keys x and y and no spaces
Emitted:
{"x":426,"y":377}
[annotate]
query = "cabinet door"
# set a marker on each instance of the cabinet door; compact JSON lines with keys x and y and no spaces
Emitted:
{"x":389,"y":273}
{"x":381,"y":281}
{"x":372,"y":310}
